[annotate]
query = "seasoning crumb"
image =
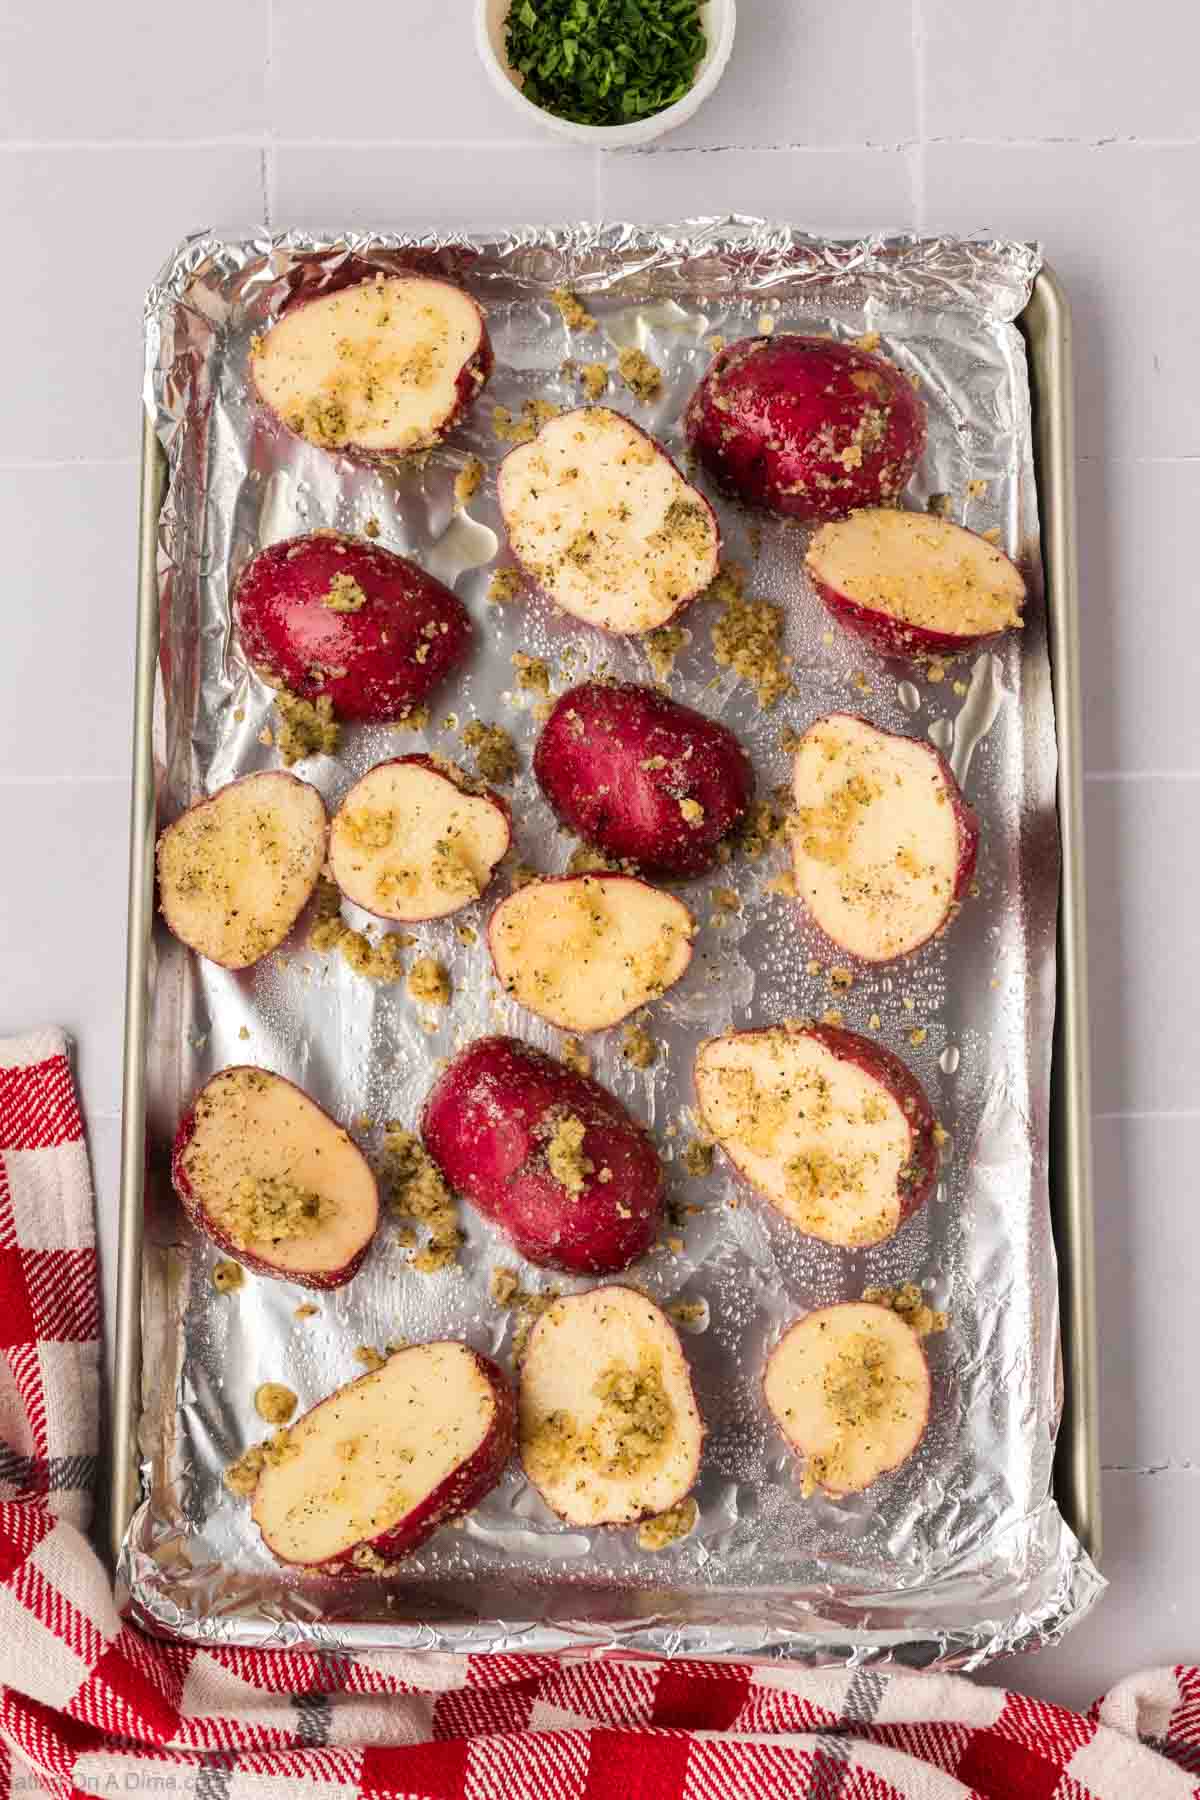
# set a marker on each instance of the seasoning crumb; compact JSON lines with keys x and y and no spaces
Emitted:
{"x":228,"y":1276}
{"x":790,"y":740}
{"x":909,"y":1302}
{"x":875,"y":1022}
{"x":371,"y":528}
{"x":668,"y":1528}
{"x":642,"y":377}
{"x":468,"y":482}
{"x":941,"y":1137}
{"x":698,"y":1158}
{"x":689,"y":1312}
{"x":868,"y":341}
{"x":415,"y":719}
{"x":940,"y":505}
{"x":593,"y":377}
{"x":512,"y":428}
{"x":917,"y":1037}
{"x":992,"y":536}
{"x":576,"y":1057}
{"x":429,"y":982}
{"x":812,"y":966}
{"x":692,"y":811}
{"x":764,"y":826}
{"x":746,"y":636}
{"x":832,"y":1015}
{"x":306,"y":728}
{"x":274,"y":1402}
{"x":564,"y":1155}
{"x":370,"y":1358}
{"x":575,"y":315}
{"x":936,"y":672}
{"x":466,"y":935}
{"x":638,"y":1047}
{"x":345,"y":595}
{"x":505,"y":585}
{"x":841,"y":978}
{"x":533,"y":673}
{"x":663,"y":646}
{"x":306,"y":1310}
{"x":520,"y":874}
{"x":859,"y":680}
{"x":784,"y":885}
{"x":586,"y":861}
{"x":715,"y":343}
{"x":496,"y":756}
{"x":766,"y":324}
{"x":416,"y":1191}
{"x":243,"y":1032}
{"x":977,"y":490}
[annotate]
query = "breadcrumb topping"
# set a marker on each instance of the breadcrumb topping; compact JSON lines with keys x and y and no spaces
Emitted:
{"x":305,"y":727}
{"x":344,"y":596}
{"x":669,"y":1527}
{"x":641,"y":376}
{"x":274,"y":1402}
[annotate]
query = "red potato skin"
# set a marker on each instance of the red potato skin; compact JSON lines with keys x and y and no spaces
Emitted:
{"x":189,"y":1200}
{"x":163,"y":907}
{"x":688,"y":599}
{"x":588,"y":762}
{"x":294,"y":641}
{"x":965,"y":817}
{"x":421,"y":760}
{"x":892,"y":637}
{"x":462,"y":1490}
{"x":882,"y":1066}
{"x":471,"y":381}
{"x":558,"y":880}
{"x":772,"y":417}
{"x":484,"y":1125}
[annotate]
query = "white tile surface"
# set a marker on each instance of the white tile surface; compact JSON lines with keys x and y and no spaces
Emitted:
{"x":1145,"y":978}
{"x":1069,"y":70}
{"x":820,"y":190}
{"x":820,"y":121}
{"x":779,"y":54}
{"x":1148,"y":1258}
{"x":416,"y":78}
{"x":128,"y":70}
{"x":62,"y":921}
{"x":1137,"y":601}
{"x":88,"y":230}
{"x":1118,"y":224}
{"x":71,"y":544}
{"x":462,"y":186}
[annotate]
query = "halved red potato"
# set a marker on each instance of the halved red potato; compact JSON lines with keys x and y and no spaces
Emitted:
{"x":415,"y":838}
{"x":806,"y":427}
{"x":371,"y":1472}
{"x":382,"y":368}
{"x":265,"y":1173}
{"x":643,"y":778}
{"x":235,"y":871}
{"x":585,"y":951}
{"x":849,"y":1388}
{"x":834,"y":1130}
{"x":548,"y":1154}
{"x":883,"y":843}
{"x":913,"y":584}
{"x":609,"y":1426}
{"x":602,"y":520}
{"x":336,"y":615}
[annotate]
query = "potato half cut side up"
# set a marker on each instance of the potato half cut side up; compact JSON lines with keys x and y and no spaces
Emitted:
{"x":372,"y":1471}
{"x":235,"y":871}
{"x":610,"y":1429}
{"x":602,"y":520}
{"x":849,"y":1388}
{"x":548,"y":1154}
{"x":585,"y":951}
{"x":915,"y":585}
{"x":833,"y":1129}
{"x":273,"y":1180}
{"x":416,"y":839}
{"x":883,"y":842}
{"x":381,"y":368}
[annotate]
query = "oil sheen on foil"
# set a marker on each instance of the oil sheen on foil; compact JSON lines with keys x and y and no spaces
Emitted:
{"x":962,"y":1553}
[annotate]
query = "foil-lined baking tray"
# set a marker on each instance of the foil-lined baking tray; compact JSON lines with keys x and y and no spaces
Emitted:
{"x":977,"y":1546}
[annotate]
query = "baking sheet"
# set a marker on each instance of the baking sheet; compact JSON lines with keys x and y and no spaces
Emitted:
{"x":963,"y":1553}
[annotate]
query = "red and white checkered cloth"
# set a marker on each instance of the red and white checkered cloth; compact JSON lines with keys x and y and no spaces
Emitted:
{"x":90,"y":1706}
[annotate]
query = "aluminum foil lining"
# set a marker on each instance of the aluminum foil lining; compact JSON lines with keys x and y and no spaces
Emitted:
{"x":960,"y":1555}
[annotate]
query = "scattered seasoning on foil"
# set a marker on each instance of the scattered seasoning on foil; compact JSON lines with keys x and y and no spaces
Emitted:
{"x":605,"y":62}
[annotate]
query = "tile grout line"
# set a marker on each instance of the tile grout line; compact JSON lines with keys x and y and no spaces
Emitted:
{"x":11,"y":465}
{"x":1132,"y":1113}
{"x":916,"y":155}
{"x":266,"y":155}
{"x":1141,"y":774}
{"x":254,"y":141}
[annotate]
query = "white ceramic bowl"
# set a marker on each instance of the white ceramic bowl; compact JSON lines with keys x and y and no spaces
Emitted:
{"x":719,"y":18}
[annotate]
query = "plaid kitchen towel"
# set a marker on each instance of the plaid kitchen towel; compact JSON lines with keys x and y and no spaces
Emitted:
{"x":90,"y":1706}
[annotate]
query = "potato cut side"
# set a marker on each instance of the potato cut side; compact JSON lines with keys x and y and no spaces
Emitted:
{"x":585,"y":951}
{"x":269,"y":1175}
{"x":609,"y":1427}
{"x":918,"y":569}
{"x":825,"y":1140}
{"x":378,"y":1453}
{"x":604,"y":522}
{"x":408,"y":842}
{"x":880,"y":839}
{"x":236,"y":871}
{"x":380,"y":367}
{"x":849,"y":1388}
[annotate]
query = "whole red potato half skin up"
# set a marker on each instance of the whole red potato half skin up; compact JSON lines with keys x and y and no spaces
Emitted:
{"x":643,"y":778}
{"x":806,"y":427}
{"x":374,"y":369}
{"x":334,"y":615}
{"x":548,"y":1154}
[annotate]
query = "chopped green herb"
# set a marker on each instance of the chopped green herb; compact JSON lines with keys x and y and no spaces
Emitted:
{"x":605,"y":62}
